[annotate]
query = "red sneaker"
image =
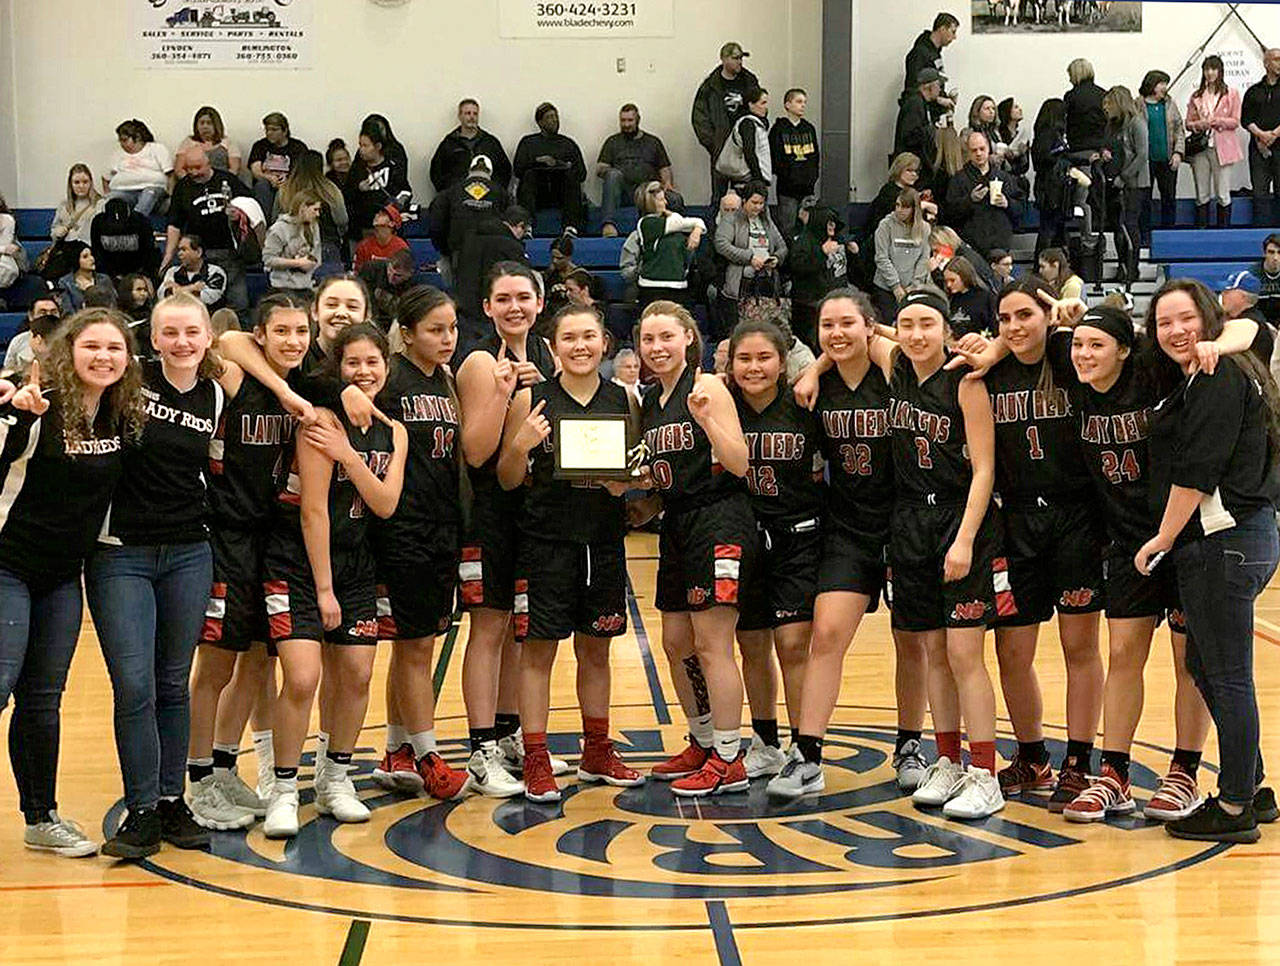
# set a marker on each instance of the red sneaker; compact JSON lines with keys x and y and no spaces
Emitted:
{"x":397,"y":772}
{"x":539,"y":781}
{"x":1025,"y":776}
{"x":600,"y":763}
{"x":1177,"y":797}
{"x":1106,"y":795}
{"x":686,"y":763}
{"x":441,"y":781}
{"x":715,"y":777}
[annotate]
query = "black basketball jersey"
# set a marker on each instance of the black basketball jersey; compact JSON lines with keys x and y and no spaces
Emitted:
{"x":161,"y":497}
{"x":680,"y":457}
{"x":348,"y":514}
{"x":53,"y":495}
{"x":782,"y":445}
{"x":561,"y":509}
{"x":426,"y":407}
{"x":1113,"y":434}
{"x":854,"y":433}
{"x":1037,"y":441}
{"x":249,"y":456}
{"x":930,"y":456}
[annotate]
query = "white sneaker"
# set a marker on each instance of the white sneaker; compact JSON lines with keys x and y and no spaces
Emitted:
{"x":60,"y":836}
{"x":798,"y":777}
{"x":211,"y":808}
{"x":338,"y":796}
{"x":237,"y":792}
{"x":489,"y":775}
{"x":512,"y":748}
{"x":910,"y":765}
{"x":763,"y":759}
{"x":940,"y":781}
{"x":978,"y":797}
{"x":282,"y":810}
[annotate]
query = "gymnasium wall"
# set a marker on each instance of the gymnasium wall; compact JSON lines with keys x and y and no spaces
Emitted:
{"x":1030,"y":67}
{"x":74,"y":80}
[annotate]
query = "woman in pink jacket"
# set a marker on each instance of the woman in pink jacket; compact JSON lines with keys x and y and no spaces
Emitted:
{"x":1214,"y":110}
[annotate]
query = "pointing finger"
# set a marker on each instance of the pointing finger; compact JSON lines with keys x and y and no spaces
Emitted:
{"x":542,"y":404}
{"x":33,"y":378}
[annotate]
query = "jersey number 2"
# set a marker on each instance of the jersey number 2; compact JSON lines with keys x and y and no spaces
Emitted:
{"x":922,"y":453}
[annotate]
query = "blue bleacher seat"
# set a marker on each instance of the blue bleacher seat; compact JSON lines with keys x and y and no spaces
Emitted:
{"x":1211,"y":273}
{"x":10,"y":322}
{"x":33,"y":222}
{"x":1207,"y":244}
{"x":257,"y":283}
{"x":33,"y":247}
{"x":424,"y":251}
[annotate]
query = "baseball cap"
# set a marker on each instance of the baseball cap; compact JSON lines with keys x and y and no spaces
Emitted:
{"x":1244,"y":280}
{"x":927,"y":75}
{"x":733,"y":49}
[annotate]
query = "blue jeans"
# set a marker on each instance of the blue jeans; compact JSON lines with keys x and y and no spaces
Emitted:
{"x":1219,"y":577}
{"x":143,"y":200}
{"x":615,"y":194}
{"x":39,"y":626}
{"x":148,"y":606}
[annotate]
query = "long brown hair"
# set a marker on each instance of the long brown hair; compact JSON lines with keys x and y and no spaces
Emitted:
{"x":93,"y":198}
{"x":1031,"y":286}
{"x":307,"y":174}
{"x":1220,"y":85}
{"x":124,"y":397}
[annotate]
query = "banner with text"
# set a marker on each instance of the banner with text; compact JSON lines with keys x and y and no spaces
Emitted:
{"x":219,"y":33}
{"x":585,"y":18}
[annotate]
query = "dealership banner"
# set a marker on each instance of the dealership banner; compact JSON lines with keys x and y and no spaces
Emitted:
{"x":223,"y":33}
{"x":585,"y":18}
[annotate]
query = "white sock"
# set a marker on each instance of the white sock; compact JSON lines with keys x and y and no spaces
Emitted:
{"x":396,"y":736}
{"x":424,"y":742}
{"x":322,"y":744}
{"x":263,"y":745}
{"x":727,"y":743}
{"x":700,"y":729}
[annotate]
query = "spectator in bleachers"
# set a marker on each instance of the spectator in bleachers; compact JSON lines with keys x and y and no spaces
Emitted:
{"x":745,"y":157}
{"x":818,"y":263}
{"x":387,"y":279}
{"x":793,"y":148}
{"x":902,"y":253}
{"x":378,"y":177}
{"x":1269,"y":279}
{"x":1013,"y":143}
{"x":1127,"y":133}
{"x":720,"y":101}
{"x":136,"y":297}
{"x":101,"y":296}
{"x":948,"y":162}
{"x":1049,"y":160}
{"x":493,"y":240}
{"x":44,"y":315}
{"x":1214,"y":110}
{"x":195,"y":275}
{"x":452,"y":161}
{"x":754,"y":248}
{"x":338,"y":160}
{"x":456,"y":211}
{"x":384,"y":241}
{"x":223,"y":320}
{"x":140,"y":171}
{"x":200,"y":207}
{"x":1086,"y":122}
{"x":391,"y":146}
{"x":9,"y":247}
{"x":307,"y":177}
{"x":74,"y":284}
{"x":1054,"y":267}
{"x":982,"y":117}
{"x":629,"y":159}
{"x":915,"y":132}
{"x":551,"y":170}
{"x":72,"y":217}
{"x":944,"y":245}
{"x":271,"y":158}
{"x":291,"y":253}
{"x":1260,"y":115}
{"x":626,"y":373}
{"x":926,"y":53}
{"x":666,"y":243}
{"x":1238,"y":296}
{"x":973,"y":305}
{"x":123,"y":241}
{"x":983,"y":199}
{"x":553,"y":279}
{"x":1166,"y":145}
{"x":1001,"y":263}
{"x":208,"y":132}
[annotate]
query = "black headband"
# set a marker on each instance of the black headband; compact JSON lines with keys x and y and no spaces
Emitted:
{"x":1114,"y":322}
{"x":934,"y":300}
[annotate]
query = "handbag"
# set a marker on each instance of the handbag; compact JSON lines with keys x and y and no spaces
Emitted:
{"x":760,"y":299}
{"x":732,"y":163}
{"x":1197,"y":142}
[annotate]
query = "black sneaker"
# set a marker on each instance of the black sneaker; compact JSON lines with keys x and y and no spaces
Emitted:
{"x":1264,"y":805}
{"x":137,"y":837}
{"x":1209,"y":823}
{"x":178,"y":826}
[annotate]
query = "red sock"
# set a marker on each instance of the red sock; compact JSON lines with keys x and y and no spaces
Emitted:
{"x":535,"y":742}
{"x":982,"y":754}
{"x":595,"y":730}
{"x":948,"y":745}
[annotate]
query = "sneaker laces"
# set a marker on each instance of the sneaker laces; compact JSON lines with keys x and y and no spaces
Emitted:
{"x":65,"y":829}
{"x":910,"y":758}
{"x":1178,"y":787}
{"x":1104,"y":791}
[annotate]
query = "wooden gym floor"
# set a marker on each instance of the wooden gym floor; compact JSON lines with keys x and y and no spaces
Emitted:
{"x":612,"y":876}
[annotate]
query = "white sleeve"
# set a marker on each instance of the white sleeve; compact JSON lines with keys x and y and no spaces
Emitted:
{"x":161,"y":154}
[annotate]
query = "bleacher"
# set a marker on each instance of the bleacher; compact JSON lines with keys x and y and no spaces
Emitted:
{"x":1207,"y":254}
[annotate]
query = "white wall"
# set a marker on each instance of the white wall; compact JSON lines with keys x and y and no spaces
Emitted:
{"x":8,"y":101}
{"x":1030,"y":67}
{"x":412,"y":63}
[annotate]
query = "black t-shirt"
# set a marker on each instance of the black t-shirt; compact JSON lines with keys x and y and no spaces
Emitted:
{"x":54,"y":495}
{"x":161,"y":496}
{"x":249,"y":457}
{"x":276,"y":159}
{"x":424,"y":404}
{"x":930,"y":457}
{"x":1269,"y":297}
{"x":1037,"y":436}
{"x":735,"y":94}
{"x":201,"y":209}
{"x":1113,"y":433}
{"x":854,"y":425}
{"x":973,"y":310}
{"x":638,"y":157}
{"x":1211,"y":435}
{"x":563,"y":509}
{"x":782,"y":443}
{"x":680,"y":456}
